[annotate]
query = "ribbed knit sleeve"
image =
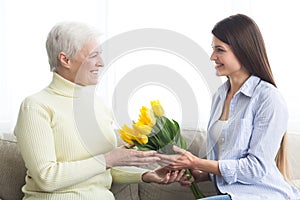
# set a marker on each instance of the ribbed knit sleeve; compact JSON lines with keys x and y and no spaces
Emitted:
{"x":37,"y":144}
{"x":127,"y":174}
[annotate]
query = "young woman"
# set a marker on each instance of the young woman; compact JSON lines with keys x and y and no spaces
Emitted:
{"x":248,"y":121}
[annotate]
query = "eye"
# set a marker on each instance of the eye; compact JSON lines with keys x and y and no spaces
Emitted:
{"x":93,"y":55}
{"x":219,"y":50}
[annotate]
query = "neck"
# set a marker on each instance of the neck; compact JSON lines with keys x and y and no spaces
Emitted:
{"x":65,"y":73}
{"x":236,"y":82}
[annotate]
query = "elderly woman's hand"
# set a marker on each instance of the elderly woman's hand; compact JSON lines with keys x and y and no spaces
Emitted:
{"x":122,"y":156}
{"x":163,"y":176}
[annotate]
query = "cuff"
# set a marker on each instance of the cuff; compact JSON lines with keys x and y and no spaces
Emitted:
{"x":228,"y":169}
{"x":127,"y":174}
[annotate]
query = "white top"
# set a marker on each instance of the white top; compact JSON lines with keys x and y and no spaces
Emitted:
{"x":216,"y":130}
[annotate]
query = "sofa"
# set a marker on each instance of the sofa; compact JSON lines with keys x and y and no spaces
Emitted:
{"x":12,"y":172}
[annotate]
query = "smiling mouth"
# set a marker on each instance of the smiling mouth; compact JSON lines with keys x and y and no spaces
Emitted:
{"x":219,"y":65}
{"x":95,"y":72}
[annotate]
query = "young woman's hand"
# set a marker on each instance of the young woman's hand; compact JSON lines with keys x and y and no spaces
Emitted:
{"x":182,"y":160}
{"x":122,"y":156}
{"x":186,"y":160}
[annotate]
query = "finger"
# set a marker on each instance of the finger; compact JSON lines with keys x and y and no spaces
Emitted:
{"x":168,"y":165}
{"x":174,"y":167}
{"x":141,"y":161}
{"x":166,"y":179}
{"x":138,"y":163}
{"x":146,"y":159}
{"x":146,"y":153}
{"x":163,"y":156}
{"x":164,"y":164}
{"x":185,"y":183}
{"x":178,"y":150}
{"x":170,"y":158}
{"x":173,"y":176}
{"x":181,"y":175}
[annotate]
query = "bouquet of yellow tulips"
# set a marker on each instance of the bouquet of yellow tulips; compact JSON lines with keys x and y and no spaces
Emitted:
{"x":154,"y":131}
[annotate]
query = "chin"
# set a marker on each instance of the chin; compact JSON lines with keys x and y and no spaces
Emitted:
{"x":94,"y":82}
{"x":219,"y":74}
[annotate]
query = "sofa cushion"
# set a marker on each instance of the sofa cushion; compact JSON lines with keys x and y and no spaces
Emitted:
{"x":293,"y":148}
{"x":174,"y":191}
{"x":12,"y":173}
{"x":125,"y":191}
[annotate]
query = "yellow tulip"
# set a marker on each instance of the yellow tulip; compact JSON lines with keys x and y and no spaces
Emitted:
{"x":146,"y":116}
{"x":142,"y":129}
{"x":142,"y":139}
{"x":128,"y":130}
{"x":127,"y":134}
{"x":126,"y":138}
{"x":157,"y":108}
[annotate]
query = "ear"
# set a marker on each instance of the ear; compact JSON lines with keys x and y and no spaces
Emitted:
{"x":64,"y":60}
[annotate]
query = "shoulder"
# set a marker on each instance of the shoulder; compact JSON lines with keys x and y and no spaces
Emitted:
{"x":268,"y":98}
{"x":269,"y":93}
{"x":36,"y":100}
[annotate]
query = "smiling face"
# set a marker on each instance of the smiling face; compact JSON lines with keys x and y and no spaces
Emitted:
{"x":83,"y":68}
{"x":226,"y":63}
{"x":86,"y":63}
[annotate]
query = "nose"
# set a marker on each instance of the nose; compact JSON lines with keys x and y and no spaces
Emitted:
{"x":213,"y":56}
{"x":100,"y":62}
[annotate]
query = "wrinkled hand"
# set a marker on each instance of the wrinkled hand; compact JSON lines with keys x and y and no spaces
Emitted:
{"x":122,"y":156}
{"x":182,"y":160}
{"x":163,"y":176}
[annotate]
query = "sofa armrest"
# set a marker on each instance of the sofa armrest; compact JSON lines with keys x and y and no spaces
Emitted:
{"x":293,"y":149}
{"x":12,"y":171}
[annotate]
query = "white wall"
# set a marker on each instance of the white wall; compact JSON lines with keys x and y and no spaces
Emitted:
{"x":25,"y":24}
{"x":195,"y":19}
{"x":24,"y":63}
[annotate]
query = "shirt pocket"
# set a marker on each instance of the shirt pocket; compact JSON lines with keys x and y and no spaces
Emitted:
{"x":244,"y":137}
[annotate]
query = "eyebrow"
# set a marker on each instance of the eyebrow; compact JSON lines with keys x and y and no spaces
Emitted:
{"x":218,"y":46}
{"x":96,"y":51}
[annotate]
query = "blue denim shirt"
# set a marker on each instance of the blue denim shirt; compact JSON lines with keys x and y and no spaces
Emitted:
{"x":258,"y":118}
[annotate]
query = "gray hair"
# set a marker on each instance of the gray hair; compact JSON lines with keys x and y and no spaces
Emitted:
{"x":68,"y":37}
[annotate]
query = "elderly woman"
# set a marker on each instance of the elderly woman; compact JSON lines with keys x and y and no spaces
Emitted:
{"x":65,"y":156}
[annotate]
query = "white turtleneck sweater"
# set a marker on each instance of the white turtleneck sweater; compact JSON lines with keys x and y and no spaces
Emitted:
{"x":62,"y":133}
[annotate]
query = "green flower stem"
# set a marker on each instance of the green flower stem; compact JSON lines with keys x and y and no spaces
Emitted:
{"x":160,"y":145}
{"x":194,"y":187}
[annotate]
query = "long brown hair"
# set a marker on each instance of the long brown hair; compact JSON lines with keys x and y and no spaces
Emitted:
{"x":243,"y":35}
